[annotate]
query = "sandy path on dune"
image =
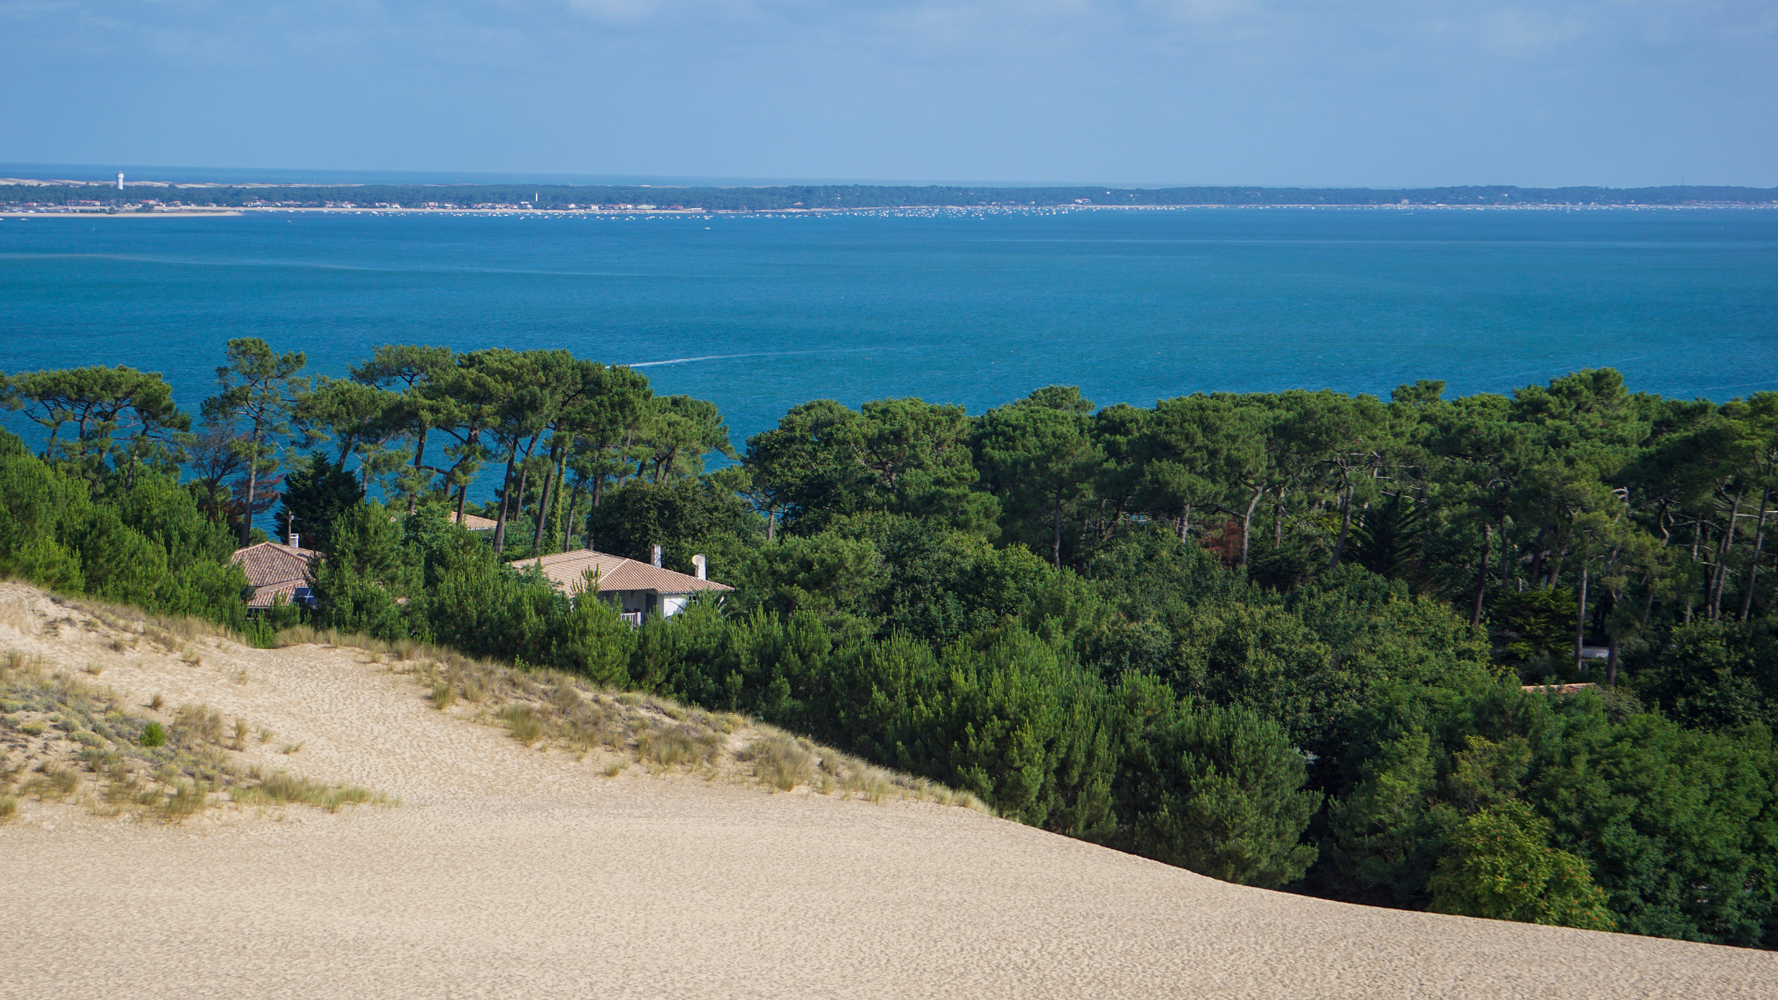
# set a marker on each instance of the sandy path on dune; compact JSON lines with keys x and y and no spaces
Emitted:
{"x":512,"y":872}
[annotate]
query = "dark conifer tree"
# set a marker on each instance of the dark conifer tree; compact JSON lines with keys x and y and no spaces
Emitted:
{"x":314,"y":495}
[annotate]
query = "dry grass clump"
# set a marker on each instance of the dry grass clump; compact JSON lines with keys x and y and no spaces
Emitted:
{"x":282,"y":788}
{"x":172,"y":633}
{"x":53,"y":782}
{"x":524,"y":720}
{"x":17,"y":613}
{"x":784,"y":761}
{"x":780,"y":760}
{"x":61,"y":739}
{"x":684,"y":744}
{"x":196,"y":725}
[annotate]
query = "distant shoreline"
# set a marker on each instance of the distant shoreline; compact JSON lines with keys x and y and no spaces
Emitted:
{"x":38,"y":197}
{"x":84,"y":212}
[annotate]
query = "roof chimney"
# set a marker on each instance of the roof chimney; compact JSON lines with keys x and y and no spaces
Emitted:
{"x":296,"y":540}
{"x":656,"y":556}
{"x":697,"y":562}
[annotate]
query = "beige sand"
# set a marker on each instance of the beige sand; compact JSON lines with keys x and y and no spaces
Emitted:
{"x":514,"y":872}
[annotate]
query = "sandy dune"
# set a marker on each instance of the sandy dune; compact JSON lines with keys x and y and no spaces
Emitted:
{"x":514,"y":872}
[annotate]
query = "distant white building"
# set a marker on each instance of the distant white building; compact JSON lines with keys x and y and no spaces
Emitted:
{"x":637,"y":589}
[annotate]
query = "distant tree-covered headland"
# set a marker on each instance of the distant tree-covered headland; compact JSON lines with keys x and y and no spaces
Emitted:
{"x":844,"y":196}
{"x":1512,"y":656}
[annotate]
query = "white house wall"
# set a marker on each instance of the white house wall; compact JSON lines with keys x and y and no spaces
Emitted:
{"x":646,"y":602}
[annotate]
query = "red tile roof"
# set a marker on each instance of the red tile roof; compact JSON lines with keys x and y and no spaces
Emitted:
{"x":474,"y":522}
{"x":567,"y":571}
{"x":274,"y":569}
{"x":1561,"y":688}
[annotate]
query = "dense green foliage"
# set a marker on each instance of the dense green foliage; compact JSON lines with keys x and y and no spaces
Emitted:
{"x":1299,"y":639}
{"x":315,"y":493}
{"x":145,"y":543}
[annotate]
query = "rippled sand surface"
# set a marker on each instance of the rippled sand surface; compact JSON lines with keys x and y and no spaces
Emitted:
{"x":513,"y":872}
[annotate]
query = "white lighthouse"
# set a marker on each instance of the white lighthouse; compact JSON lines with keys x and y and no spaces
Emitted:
{"x":120,"y":180}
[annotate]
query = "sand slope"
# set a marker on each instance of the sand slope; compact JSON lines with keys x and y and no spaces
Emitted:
{"x":513,"y":872}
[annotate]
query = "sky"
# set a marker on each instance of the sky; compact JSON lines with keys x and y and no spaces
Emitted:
{"x":1143,"y":92}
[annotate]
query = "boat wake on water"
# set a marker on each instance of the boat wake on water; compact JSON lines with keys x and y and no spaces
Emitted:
{"x":758,"y":354}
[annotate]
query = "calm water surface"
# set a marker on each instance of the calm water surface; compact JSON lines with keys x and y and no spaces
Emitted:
{"x":759,"y":313}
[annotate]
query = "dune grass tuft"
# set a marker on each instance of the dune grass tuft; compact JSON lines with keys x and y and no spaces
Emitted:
{"x":54,"y":782}
{"x":283,"y":788}
{"x":70,"y":731}
{"x":186,"y":800}
{"x":780,"y":760}
{"x":680,"y":745}
{"x":524,"y":721}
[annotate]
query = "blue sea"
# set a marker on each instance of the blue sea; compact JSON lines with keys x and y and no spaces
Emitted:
{"x":762,"y":312}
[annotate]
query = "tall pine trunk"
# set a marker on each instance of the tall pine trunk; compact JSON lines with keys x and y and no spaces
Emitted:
{"x":549,"y":481}
{"x":1345,"y":527}
{"x":1247,"y":522}
{"x":1719,"y":579}
{"x":1056,"y":538}
{"x":545,"y":507}
{"x":1759,"y":546}
{"x":413,"y":498}
{"x":1506,"y":561}
{"x":1481,"y":576}
{"x":505,"y":502}
{"x":568,"y":525}
{"x":1580,"y":622}
{"x":252,"y":489}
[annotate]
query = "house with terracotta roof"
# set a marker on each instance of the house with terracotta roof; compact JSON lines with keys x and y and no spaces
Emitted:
{"x":274,"y":570}
{"x":637,"y":589}
{"x":1560,"y":688}
{"x":474,"y":522}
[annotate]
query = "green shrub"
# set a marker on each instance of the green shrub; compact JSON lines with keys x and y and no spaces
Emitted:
{"x":259,"y":633}
{"x":1504,"y":869}
{"x":154,"y":735}
{"x":1216,"y":790}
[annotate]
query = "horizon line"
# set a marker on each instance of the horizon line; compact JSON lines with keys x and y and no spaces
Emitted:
{"x":334,"y":177}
